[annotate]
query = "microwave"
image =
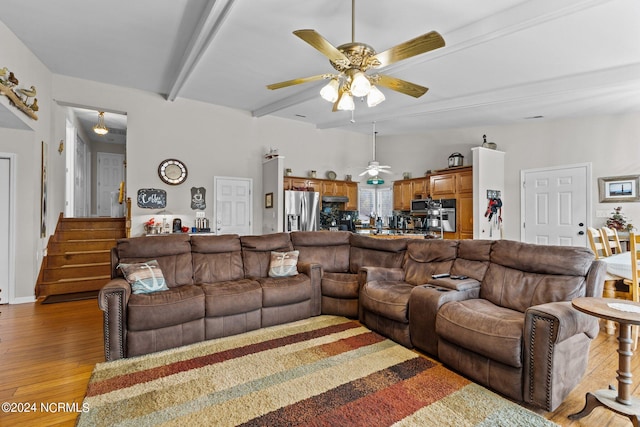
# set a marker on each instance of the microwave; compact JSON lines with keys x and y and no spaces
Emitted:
{"x":420,"y":205}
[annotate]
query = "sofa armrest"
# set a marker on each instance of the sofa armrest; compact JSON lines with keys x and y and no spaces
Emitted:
{"x":424,"y":303}
{"x":556,"y":351}
{"x":314,"y":271}
{"x":112,"y":300}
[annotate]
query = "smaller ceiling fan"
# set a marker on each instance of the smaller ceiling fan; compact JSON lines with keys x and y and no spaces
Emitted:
{"x":374,"y":167}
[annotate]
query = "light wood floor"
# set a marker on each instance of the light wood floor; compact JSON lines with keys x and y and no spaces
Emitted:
{"x":47,"y":353}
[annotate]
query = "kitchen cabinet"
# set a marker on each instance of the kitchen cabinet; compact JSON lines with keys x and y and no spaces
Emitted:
{"x":352,"y":194}
{"x":465,"y":216}
{"x":456,"y":183}
{"x":326,"y":187}
{"x":298,"y":183}
{"x":408,"y":189}
{"x":443,"y":186}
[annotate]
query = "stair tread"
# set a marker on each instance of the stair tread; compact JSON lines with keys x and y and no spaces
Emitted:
{"x":77,"y":279}
{"x":90,"y":264}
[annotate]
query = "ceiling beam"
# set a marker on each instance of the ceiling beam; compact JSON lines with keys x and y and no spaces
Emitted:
{"x":211,"y":21}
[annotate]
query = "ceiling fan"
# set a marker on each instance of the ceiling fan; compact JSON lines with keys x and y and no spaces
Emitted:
{"x":353,"y":60}
{"x":374,"y":167}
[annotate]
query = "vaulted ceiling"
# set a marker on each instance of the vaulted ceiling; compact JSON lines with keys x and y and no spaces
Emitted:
{"x":505,"y":61}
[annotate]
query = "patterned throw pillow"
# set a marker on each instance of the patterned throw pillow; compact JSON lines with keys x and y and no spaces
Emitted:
{"x":144,"y":277}
{"x":283,"y":264}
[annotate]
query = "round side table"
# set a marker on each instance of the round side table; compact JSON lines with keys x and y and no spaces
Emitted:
{"x":626,"y":314}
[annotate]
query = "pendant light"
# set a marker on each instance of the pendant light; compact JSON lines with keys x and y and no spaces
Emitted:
{"x":100,"y":127}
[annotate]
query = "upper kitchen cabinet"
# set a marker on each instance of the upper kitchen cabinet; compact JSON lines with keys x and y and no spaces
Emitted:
{"x":408,"y":189}
{"x":326,"y":187}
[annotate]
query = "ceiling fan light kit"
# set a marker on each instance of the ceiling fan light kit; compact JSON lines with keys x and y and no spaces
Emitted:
{"x":352,"y":60}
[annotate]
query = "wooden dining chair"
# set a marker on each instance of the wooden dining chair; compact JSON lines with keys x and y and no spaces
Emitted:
{"x":596,"y":241}
{"x":601,"y":250}
{"x":634,"y":248}
{"x":611,"y":241}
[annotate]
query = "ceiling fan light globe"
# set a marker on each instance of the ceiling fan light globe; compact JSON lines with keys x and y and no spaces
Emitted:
{"x":360,"y":84}
{"x":346,"y":103}
{"x":375,"y":97}
{"x":330,"y":91}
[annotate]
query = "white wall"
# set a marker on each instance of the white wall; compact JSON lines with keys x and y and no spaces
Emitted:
{"x":610,"y":143}
{"x":26,"y":144}
{"x":211,"y":141}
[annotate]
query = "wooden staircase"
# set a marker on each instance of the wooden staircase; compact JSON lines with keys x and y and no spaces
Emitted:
{"x":78,"y":255}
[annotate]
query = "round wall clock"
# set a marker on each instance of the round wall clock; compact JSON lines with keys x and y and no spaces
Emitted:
{"x":172,"y":171}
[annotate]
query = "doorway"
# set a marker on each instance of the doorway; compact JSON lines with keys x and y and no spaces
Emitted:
{"x":233,"y":206}
{"x":555,"y":205}
{"x":7,"y":226}
{"x":93,"y":161}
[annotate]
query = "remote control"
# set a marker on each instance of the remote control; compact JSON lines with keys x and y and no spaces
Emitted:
{"x":440,"y":276}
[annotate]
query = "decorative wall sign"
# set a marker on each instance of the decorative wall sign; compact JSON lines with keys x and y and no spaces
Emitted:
{"x":152,"y":198}
{"x":198,"y":198}
{"x":268,"y":200}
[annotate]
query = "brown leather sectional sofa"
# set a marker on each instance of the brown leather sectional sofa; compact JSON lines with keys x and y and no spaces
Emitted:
{"x":508,"y":325}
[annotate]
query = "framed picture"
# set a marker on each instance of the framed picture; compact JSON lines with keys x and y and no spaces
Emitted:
{"x":43,"y":192}
{"x":268,"y":200}
{"x":615,"y":189}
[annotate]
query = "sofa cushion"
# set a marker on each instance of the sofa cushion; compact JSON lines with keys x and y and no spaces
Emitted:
{"x":483,"y":328}
{"x":157,"y":310}
{"x":387,"y":299}
{"x":256,"y":252}
{"x":528,"y":257}
{"x":472,"y":259}
{"x":144,"y":277}
{"x":283,"y":264}
{"x":279,"y":291}
{"x":327,"y":248}
{"x":369,"y":251}
{"x":173,"y":253}
{"x":340,"y":285}
{"x":216,"y":258}
{"x":427,"y":257}
{"x":232,"y":297}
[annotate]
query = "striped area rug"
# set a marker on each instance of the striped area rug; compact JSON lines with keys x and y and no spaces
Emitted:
{"x":323,"y":371}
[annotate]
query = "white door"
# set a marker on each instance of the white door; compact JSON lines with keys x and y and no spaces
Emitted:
{"x":110,"y":175}
{"x":7,"y":227}
{"x":556,"y":205}
{"x":233,"y":207}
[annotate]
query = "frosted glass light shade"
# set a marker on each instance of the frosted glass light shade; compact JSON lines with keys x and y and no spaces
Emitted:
{"x":375,"y":97}
{"x":330,"y":91}
{"x":346,"y":102}
{"x":360,"y":84}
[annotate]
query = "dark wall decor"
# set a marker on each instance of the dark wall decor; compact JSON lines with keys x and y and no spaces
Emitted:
{"x":152,"y":198}
{"x":198,"y":201}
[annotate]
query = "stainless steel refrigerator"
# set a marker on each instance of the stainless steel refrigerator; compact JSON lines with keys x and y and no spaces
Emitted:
{"x":301,"y":211}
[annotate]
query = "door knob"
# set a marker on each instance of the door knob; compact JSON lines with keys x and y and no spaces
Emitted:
{"x":580,"y":232}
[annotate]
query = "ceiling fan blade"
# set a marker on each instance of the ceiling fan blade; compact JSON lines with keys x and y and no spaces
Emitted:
{"x":364,"y":173}
{"x":384,"y":171}
{"x":401,"y":86}
{"x":323,"y":46}
{"x":296,"y":81}
{"x":413,"y":47}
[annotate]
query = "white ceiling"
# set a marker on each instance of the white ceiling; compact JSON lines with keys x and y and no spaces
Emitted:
{"x":504,"y":60}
